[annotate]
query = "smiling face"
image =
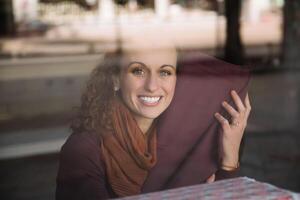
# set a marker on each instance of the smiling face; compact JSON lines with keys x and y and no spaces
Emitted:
{"x":147,"y":83}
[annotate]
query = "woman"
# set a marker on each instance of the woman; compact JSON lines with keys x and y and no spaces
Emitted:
{"x":113,"y":148}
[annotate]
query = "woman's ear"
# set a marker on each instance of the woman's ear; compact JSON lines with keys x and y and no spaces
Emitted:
{"x":116,"y":82}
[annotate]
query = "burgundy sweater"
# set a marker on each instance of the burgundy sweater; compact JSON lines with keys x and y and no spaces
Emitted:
{"x":188,"y":138}
{"x":81,"y":173}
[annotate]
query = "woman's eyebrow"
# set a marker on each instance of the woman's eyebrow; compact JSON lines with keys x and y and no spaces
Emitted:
{"x":136,"y":62}
{"x":166,"y":65}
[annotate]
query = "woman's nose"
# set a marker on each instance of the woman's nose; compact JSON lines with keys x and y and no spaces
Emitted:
{"x":151,"y":83}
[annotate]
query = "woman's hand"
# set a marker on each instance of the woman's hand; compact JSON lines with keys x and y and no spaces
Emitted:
{"x":211,"y":179}
{"x":233,"y":130}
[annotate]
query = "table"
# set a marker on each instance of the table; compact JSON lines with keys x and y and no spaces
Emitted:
{"x":237,"y":188}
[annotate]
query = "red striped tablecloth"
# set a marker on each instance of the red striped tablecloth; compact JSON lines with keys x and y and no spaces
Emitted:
{"x":237,"y":188}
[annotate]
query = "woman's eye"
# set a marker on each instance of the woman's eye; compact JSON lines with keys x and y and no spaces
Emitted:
{"x":138,"y":71}
{"x":165,"y":73}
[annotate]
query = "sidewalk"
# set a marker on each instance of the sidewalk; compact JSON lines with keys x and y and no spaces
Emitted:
{"x":201,"y":32}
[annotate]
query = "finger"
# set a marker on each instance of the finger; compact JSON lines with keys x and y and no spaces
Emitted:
{"x":230,"y":109}
{"x":247,"y":104}
{"x":211,"y":179}
{"x":223,"y":121}
{"x":237,"y":100}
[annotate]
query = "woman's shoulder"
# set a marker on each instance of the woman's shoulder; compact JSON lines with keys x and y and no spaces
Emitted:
{"x":81,"y":151}
{"x":81,"y":141}
{"x":81,"y":173}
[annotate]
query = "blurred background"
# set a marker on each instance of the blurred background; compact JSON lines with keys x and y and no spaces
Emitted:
{"x":49,"y":47}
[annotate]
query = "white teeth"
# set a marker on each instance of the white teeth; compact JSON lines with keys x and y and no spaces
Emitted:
{"x":150,"y":99}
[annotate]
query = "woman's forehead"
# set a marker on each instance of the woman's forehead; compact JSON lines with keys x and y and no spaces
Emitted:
{"x":157,"y":57}
{"x":150,"y":50}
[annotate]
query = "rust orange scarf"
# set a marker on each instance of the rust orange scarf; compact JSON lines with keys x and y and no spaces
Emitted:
{"x":128,"y":153}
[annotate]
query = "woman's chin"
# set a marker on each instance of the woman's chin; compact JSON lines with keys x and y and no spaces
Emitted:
{"x":150,"y":113}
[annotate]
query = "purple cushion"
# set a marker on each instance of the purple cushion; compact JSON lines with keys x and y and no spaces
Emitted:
{"x":188,"y":131}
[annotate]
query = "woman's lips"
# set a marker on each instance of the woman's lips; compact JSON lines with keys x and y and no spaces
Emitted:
{"x":150,"y":100}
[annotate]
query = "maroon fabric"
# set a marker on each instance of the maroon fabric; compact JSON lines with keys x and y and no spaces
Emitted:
{"x":187,"y":150}
{"x":188,"y":138}
{"x":81,"y":174}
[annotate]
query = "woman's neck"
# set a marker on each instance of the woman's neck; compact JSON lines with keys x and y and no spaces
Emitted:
{"x":144,"y":123}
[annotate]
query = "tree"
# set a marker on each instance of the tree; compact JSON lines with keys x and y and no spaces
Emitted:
{"x":291,"y":34}
{"x":234,"y":51}
{"x":7,"y":27}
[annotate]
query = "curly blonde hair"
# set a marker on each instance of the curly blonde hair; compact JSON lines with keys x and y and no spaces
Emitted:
{"x":94,"y":113}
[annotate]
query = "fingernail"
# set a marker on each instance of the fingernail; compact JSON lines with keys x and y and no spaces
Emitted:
{"x":224,"y":103}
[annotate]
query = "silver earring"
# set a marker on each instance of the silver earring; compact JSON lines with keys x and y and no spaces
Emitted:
{"x":116,"y":88}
